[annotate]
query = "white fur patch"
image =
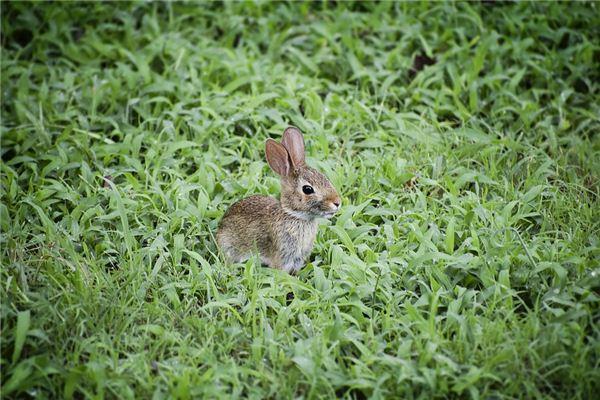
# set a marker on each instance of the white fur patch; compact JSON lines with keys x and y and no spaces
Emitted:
{"x":299,"y":214}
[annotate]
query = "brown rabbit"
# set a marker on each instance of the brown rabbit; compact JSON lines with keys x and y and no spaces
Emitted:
{"x":282,"y":231}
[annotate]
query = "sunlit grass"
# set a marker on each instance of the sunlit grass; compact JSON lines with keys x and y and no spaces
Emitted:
{"x":463,"y":139}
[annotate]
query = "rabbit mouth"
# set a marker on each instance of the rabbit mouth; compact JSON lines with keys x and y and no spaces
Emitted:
{"x":328,"y":214}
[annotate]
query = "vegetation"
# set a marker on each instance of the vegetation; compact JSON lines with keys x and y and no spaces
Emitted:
{"x":463,"y":138}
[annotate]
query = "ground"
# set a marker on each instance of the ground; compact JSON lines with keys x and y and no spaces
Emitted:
{"x":463,"y":139}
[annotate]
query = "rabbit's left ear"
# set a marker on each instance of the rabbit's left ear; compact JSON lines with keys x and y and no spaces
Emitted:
{"x":294,"y":144}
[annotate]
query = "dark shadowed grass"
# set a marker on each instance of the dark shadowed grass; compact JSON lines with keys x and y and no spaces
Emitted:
{"x":462,"y":137}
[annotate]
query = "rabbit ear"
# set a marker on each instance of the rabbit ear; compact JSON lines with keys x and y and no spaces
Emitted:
{"x":277,"y":157}
{"x":294,"y":144}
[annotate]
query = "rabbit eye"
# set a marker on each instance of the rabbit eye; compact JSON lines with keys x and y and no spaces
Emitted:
{"x":307,"y":189}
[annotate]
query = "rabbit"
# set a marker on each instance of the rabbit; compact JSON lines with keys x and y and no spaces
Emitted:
{"x":283,"y":232}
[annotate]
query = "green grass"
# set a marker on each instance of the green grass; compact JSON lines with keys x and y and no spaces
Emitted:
{"x":465,"y":261}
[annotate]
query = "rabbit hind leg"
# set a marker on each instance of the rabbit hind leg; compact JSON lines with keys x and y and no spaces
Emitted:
{"x":231,"y":252}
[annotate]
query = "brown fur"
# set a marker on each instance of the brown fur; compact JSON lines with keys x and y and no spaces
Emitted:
{"x":283,"y":232}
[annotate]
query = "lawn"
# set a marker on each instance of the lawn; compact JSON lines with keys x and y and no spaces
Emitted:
{"x":464,"y":140}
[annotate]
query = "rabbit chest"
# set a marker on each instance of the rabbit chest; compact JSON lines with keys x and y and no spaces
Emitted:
{"x":296,"y":239}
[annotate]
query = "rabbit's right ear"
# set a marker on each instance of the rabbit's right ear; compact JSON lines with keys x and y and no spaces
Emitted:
{"x":277,"y":157}
{"x":294,"y":144}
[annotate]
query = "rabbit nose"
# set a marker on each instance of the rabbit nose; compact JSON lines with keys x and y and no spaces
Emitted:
{"x":336,"y":202}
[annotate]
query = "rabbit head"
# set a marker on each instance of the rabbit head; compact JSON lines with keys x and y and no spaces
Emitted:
{"x":305,"y":192}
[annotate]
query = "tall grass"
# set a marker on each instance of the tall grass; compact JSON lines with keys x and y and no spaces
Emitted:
{"x":463,"y":138}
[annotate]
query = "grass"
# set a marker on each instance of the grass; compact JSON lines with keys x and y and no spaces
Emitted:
{"x":464,"y":141}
